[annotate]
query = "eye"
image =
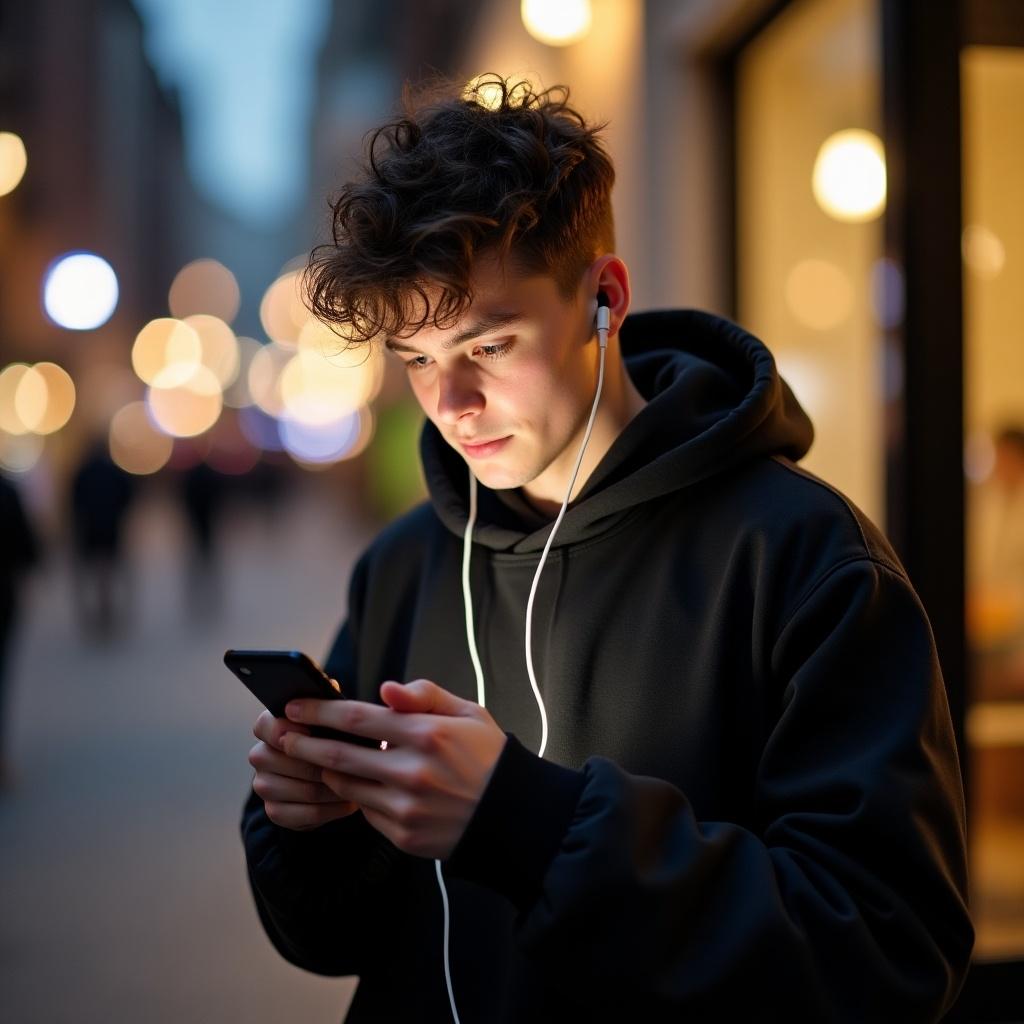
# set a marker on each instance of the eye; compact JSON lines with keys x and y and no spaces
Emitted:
{"x":415,"y":364}
{"x":496,"y":351}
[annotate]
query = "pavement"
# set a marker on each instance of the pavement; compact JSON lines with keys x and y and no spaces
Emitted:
{"x":123,"y":894}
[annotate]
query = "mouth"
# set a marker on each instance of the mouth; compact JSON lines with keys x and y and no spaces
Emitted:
{"x":484,"y":449}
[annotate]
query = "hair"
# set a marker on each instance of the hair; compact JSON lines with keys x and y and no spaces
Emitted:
{"x":494,"y":168}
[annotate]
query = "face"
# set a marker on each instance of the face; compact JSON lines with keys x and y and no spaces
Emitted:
{"x":511,"y":384}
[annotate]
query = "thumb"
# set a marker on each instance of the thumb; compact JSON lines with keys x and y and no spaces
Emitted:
{"x":423,"y":696}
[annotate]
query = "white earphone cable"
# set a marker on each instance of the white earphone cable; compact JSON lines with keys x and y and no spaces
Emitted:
{"x":467,"y":543}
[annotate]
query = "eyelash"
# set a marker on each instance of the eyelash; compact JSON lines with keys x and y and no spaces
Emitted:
{"x":496,"y":352}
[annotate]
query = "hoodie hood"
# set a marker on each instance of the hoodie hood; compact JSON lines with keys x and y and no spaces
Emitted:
{"x":714,"y":400}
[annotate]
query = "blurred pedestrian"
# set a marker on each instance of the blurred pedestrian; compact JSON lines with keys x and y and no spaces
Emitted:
{"x":19,"y":550}
{"x":101,"y":494}
{"x":202,"y":495}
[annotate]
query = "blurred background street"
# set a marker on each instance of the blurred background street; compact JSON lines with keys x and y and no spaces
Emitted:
{"x":124,"y":896}
{"x":189,"y":462}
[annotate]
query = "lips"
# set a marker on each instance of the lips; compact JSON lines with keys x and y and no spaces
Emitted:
{"x":482,"y":449}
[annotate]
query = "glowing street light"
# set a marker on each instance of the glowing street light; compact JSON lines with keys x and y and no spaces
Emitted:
{"x":849,"y":179}
{"x":80,"y":291}
{"x":556,"y":22}
{"x":13,"y":161}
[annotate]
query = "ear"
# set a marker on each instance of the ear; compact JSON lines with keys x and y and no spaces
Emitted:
{"x":610,"y":275}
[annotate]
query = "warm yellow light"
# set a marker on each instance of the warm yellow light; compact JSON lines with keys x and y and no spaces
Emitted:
{"x":849,"y":176}
{"x":818,"y":294}
{"x":327,"y":379}
{"x":983,"y":251}
{"x":204,"y":286}
{"x":163,"y":343}
{"x":185,"y":408}
{"x":556,"y":22}
{"x":219,"y":347}
{"x":264,"y":378}
{"x":282,"y":312}
{"x":135,"y":444}
{"x":10,"y":380}
{"x":45,"y":398}
{"x":237,"y":395}
{"x":13,"y":162}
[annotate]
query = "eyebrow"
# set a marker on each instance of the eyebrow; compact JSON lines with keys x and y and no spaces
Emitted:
{"x":485,"y":325}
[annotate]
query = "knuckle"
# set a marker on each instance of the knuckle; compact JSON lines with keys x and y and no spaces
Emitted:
{"x":418,"y":779}
{"x":354,"y":715}
{"x":428,"y":738}
{"x":334,"y":759}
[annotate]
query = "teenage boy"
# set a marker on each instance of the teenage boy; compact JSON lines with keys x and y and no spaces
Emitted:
{"x":666,"y":736}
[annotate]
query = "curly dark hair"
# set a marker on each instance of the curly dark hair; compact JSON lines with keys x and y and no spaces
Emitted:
{"x":496,"y":167}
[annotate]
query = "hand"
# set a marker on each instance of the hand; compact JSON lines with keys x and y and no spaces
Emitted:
{"x":293,"y":794}
{"x":422,"y":790}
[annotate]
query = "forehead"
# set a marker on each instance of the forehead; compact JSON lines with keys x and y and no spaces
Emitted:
{"x":501,"y":297}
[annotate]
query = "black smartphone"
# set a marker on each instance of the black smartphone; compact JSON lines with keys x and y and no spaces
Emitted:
{"x":276,"y":677}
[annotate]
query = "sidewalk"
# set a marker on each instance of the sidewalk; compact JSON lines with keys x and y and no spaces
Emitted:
{"x":123,"y":895}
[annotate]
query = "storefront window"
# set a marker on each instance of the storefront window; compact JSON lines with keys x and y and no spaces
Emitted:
{"x":810,"y":202}
{"x":993,"y":247}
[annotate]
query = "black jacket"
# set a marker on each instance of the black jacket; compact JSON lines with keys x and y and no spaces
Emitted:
{"x":750,"y":797}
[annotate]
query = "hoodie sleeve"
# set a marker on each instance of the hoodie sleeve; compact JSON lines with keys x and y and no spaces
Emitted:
{"x":842,"y":899}
{"x":311,"y":888}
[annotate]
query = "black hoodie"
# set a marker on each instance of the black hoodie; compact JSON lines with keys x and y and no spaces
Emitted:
{"x":750,"y":800}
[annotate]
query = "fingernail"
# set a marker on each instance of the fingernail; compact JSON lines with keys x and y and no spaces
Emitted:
{"x":293,"y":709}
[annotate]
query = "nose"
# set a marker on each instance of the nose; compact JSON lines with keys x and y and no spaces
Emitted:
{"x":458,"y":395}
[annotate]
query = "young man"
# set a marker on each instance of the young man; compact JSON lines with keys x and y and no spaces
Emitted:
{"x":749,"y":794}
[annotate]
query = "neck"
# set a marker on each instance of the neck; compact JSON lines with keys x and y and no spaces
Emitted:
{"x":620,"y":402}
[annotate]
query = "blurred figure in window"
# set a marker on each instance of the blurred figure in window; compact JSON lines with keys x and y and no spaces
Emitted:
{"x":101,"y":493}
{"x":19,"y":550}
{"x":996,"y":603}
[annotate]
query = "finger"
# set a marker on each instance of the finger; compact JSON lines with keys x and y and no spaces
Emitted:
{"x":266,"y":759}
{"x":302,"y":817}
{"x":360,"y":791}
{"x":353,"y":716}
{"x":271,"y":729}
{"x":281,"y":789}
{"x":349,"y":758}
{"x":426,"y":697}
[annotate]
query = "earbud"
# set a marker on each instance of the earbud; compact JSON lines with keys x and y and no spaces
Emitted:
{"x":603,"y":319}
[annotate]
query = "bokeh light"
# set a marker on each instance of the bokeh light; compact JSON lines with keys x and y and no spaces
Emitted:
{"x":45,"y":398}
{"x":819,"y":294}
{"x":326,"y":379}
{"x":282,"y":311}
{"x":260,"y":428}
{"x":80,"y":291}
{"x":849,"y":179}
{"x":166,"y":342}
{"x":219,"y":349}
{"x":979,"y":456}
{"x":13,"y":162}
{"x":204,"y":286}
{"x":888,"y":292}
{"x":264,"y":378}
{"x":10,"y":379}
{"x":237,"y":394}
{"x":556,"y":22}
{"x":19,"y":454}
{"x":135,"y":444}
{"x":983,"y":251}
{"x":184,"y":408}
{"x":323,"y":443}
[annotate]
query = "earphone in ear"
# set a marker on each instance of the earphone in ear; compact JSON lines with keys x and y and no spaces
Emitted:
{"x":603,"y":319}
